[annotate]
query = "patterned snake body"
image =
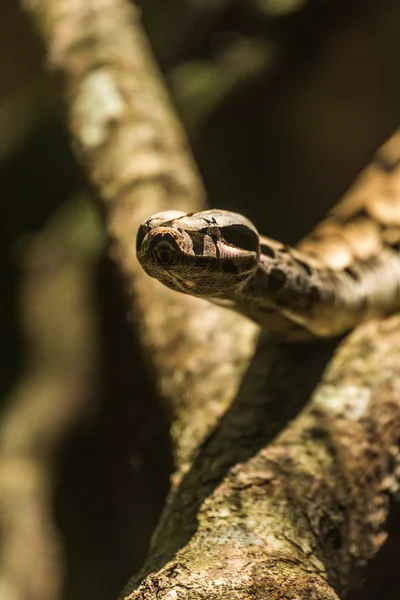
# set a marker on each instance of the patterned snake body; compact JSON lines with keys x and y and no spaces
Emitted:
{"x":346,"y":270}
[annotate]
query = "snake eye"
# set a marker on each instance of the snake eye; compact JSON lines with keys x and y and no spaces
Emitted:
{"x":241,"y":236}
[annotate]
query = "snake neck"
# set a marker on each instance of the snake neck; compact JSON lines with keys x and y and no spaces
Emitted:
{"x":294,"y":297}
{"x":347,"y":269}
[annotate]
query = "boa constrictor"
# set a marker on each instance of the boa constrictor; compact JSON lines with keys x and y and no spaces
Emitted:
{"x":347,"y":269}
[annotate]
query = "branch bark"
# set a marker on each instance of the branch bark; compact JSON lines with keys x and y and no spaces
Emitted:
{"x":136,"y":155}
{"x":295,"y":514}
{"x":253,"y":512}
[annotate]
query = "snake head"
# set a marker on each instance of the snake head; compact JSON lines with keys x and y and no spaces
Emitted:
{"x":207,"y":254}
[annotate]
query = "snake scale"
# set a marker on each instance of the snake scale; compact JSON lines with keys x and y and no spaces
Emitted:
{"x":345,"y":270}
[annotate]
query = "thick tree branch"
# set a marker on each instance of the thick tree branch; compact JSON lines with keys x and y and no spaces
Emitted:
{"x":245,"y":519}
{"x":137,"y":157}
{"x":281,"y":520}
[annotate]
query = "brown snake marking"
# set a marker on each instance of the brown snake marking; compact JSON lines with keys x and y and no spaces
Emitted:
{"x":345,"y":270}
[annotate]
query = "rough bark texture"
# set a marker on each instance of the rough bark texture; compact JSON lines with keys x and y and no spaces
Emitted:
{"x":245,"y":519}
{"x":137,"y":158}
{"x":253,"y":520}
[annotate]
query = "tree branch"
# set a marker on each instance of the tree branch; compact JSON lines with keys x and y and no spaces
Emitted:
{"x":284,"y":515}
{"x":137,"y":157}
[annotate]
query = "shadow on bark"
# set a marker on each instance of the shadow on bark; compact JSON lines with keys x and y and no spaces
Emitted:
{"x":276,"y":387}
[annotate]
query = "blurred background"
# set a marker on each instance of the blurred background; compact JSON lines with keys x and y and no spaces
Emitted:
{"x":284,"y":102}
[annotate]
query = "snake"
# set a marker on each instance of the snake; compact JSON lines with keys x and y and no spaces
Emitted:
{"x":345,"y":271}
